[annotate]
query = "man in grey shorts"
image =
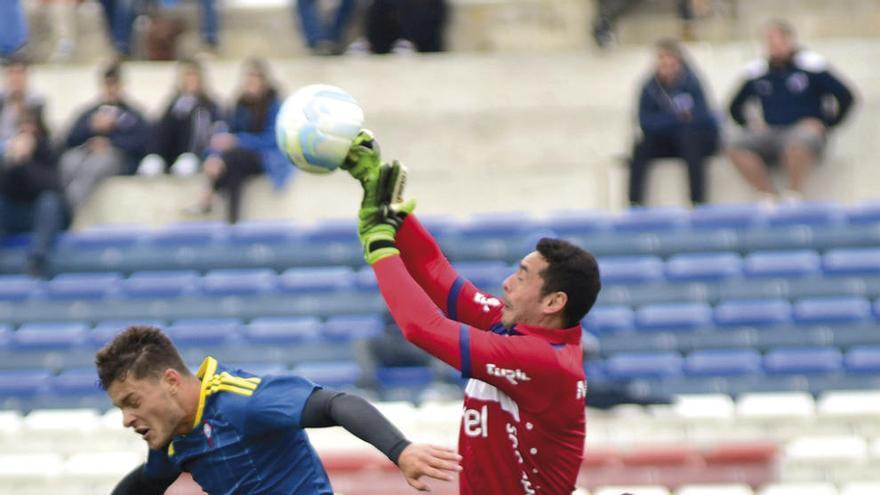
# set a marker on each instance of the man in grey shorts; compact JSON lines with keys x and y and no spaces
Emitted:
{"x":793,"y":87}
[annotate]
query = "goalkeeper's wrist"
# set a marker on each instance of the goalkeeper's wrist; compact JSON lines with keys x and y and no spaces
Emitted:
{"x":379,"y":243}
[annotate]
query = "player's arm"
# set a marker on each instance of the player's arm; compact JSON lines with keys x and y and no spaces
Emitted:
{"x":137,"y":482}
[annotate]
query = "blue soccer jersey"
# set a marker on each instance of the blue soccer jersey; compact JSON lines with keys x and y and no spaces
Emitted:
{"x":246,"y":437}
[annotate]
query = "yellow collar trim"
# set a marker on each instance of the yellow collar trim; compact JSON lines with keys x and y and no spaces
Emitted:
{"x":206,"y":375}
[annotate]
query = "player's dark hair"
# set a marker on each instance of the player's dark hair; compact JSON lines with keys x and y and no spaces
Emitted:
{"x":572,"y":270}
{"x":139,"y":351}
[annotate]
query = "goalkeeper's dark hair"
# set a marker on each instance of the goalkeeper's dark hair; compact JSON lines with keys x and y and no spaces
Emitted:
{"x":572,"y":270}
{"x":140,"y":351}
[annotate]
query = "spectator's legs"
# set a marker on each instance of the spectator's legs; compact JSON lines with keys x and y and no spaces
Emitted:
{"x":81,"y":171}
{"x":120,"y":15}
{"x":383,"y":26}
{"x":239,"y":165}
{"x":49,"y":218}
{"x":209,"y":23}
{"x":752,"y":168}
{"x":423,"y":23}
{"x":341,"y":20}
{"x":311,"y":22}
{"x":643,"y":152}
{"x":798,"y":161}
{"x":694,"y":147}
{"x":63,"y":15}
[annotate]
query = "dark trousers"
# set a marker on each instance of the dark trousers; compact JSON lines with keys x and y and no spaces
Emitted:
{"x":241,"y":164}
{"x":691,"y":145}
{"x":45,"y":217}
{"x":419,"y":21}
{"x":316,"y":29}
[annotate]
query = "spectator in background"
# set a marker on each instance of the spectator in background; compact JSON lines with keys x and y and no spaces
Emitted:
{"x":676,"y":122}
{"x":119,"y":16}
{"x":609,"y":11}
{"x":30,"y":193}
{"x":392,"y":24}
{"x":17,"y":99}
{"x":248,"y":149}
{"x":324,"y":36}
{"x":13,"y":28}
{"x":183,"y":133}
{"x":109,"y":138}
{"x":801,"y":101}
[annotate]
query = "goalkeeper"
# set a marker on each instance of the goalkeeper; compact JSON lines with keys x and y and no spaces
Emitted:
{"x":522,"y":428}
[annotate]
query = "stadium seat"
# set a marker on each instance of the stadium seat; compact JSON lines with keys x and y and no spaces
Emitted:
{"x":643,"y":365}
{"x":722,"y":362}
{"x":22,"y":383}
{"x":673,"y":316}
{"x":824,"y":286}
{"x":864,"y":213}
{"x":728,"y":216}
{"x":863,"y":359}
{"x":83,"y":285}
{"x":703,"y":267}
{"x":803,"y":360}
{"x":159,"y":284}
{"x":783,"y":405}
{"x":333,"y":375}
{"x":574,"y":222}
{"x":824,"y":450}
{"x":789,"y":264}
{"x":264,"y":232}
{"x":60,"y":420}
{"x":486,"y":275}
{"x":852,"y":261}
{"x":19,"y":287}
{"x":831,"y":310}
{"x":203,"y":331}
{"x":237,"y":282}
{"x":651,"y":219}
{"x":750,"y":289}
{"x":189,"y":234}
{"x":630,"y":269}
{"x":50,"y":335}
{"x":282,"y":330}
{"x":97,"y":465}
{"x":79,"y":381}
{"x":607,"y":319}
{"x":334,"y":230}
{"x":317,"y":279}
{"x":763,"y":312}
{"x":350,"y":327}
{"x":848,"y":403}
{"x":405,"y":377}
{"x":714,"y":407}
{"x":806,"y":214}
{"x":365,"y":279}
{"x":690,"y":241}
{"x":817,"y":488}
{"x":499,"y":225}
{"x":731,"y":489}
{"x":105,"y":236}
{"x":29,"y":465}
{"x":860,"y":488}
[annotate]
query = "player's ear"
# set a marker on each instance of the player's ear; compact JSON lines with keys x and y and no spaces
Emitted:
{"x":555,"y":302}
{"x":172,"y":379}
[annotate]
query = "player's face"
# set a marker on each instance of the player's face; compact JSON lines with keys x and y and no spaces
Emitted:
{"x":522,"y":299}
{"x":150,"y":407}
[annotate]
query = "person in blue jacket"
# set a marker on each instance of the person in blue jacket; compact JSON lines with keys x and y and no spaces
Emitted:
{"x":248,"y":148}
{"x":801,"y":100}
{"x":676,"y":122}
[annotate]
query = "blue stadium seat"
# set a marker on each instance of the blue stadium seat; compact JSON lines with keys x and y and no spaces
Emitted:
{"x":782,"y":263}
{"x":282,"y":330}
{"x":703,"y":266}
{"x":19,"y":287}
{"x":50,"y":335}
{"x":824,"y":286}
{"x":23,"y":383}
{"x":674,"y":316}
{"x":259,"y":368}
{"x":204,"y":331}
{"x":806,"y":214}
{"x":365,"y":279}
{"x":611,"y":343}
{"x":486,"y":275}
{"x":575,"y":222}
{"x":753,"y":288}
{"x":5,"y":336}
{"x":728,"y":216}
{"x":607,"y":319}
{"x":863,"y":359}
{"x":317,"y":279}
{"x":852,"y":261}
{"x":239,"y":282}
{"x":349,"y":327}
{"x":803,"y":360}
{"x":627,"y":366}
{"x":762,"y":312}
{"x":864,"y":213}
{"x":104,"y":331}
{"x":332,"y":375}
{"x":722,"y":362}
{"x":264,"y":232}
{"x":691,"y":241}
{"x":409,"y":377}
{"x":651,"y":219}
{"x":831,"y":310}
{"x":190,"y":234}
{"x":105,"y":236}
{"x":498,"y":225}
{"x":630,"y":269}
{"x":84,"y":285}
{"x":161,"y":284}
{"x":76,"y":381}
{"x":340,"y":230}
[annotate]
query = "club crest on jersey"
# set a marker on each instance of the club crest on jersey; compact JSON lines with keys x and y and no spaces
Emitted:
{"x":209,"y":432}
{"x":513,"y":376}
{"x":486,"y":302}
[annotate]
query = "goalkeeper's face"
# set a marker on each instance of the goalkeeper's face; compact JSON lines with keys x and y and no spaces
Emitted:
{"x":151,"y":406}
{"x":524,"y":301}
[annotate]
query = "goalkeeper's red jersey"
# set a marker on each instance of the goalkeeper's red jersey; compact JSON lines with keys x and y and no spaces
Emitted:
{"x":523,"y":426}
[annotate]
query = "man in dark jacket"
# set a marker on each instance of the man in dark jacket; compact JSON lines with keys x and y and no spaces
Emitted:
{"x":676,"y":123}
{"x":30,"y":196}
{"x":801,"y":101}
{"x":109,"y":138}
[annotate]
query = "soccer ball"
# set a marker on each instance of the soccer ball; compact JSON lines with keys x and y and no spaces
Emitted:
{"x":316,"y":126}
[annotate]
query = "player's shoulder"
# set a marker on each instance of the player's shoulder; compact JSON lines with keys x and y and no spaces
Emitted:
{"x":810,"y":61}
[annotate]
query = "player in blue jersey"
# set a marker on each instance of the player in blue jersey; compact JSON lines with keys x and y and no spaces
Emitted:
{"x":237,"y":433}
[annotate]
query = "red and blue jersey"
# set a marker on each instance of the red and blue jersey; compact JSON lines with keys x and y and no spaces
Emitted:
{"x":246,"y":437}
{"x":523,"y":424}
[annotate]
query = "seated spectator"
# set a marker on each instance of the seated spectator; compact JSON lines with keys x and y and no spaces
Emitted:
{"x":30,"y":193}
{"x":794,"y":88}
{"x":109,"y":138}
{"x":419,"y":24}
{"x":324,"y":36}
{"x":17,"y":99}
{"x":249,"y":148}
{"x":13,"y":28}
{"x":676,"y":123}
{"x":182,"y":134}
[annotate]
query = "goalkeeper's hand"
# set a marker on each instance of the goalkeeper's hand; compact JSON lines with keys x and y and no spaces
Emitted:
{"x":382,"y":207}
